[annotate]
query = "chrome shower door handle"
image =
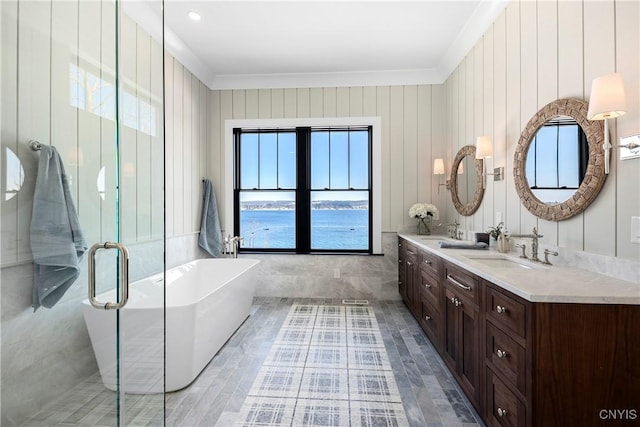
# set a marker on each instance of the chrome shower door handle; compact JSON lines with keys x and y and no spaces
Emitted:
{"x":124,"y":277}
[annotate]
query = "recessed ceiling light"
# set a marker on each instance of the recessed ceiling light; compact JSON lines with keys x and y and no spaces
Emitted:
{"x":195,"y":16}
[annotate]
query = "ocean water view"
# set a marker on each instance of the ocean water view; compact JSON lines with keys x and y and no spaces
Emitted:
{"x":330,"y":228}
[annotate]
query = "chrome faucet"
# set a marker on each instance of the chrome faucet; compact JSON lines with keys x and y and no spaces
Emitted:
{"x":547,"y":252}
{"x":524,"y":248}
{"x":235,"y":244}
{"x":231,"y":245}
{"x":534,"y":243}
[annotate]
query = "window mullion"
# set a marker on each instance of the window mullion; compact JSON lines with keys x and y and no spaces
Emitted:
{"x":557,"y":156}
{"x":330,"y":133}
{"x":349,"y":160}
{"x":259,"y":159}
{"x":303,"y":193}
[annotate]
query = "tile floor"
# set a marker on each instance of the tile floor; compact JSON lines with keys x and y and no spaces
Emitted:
{"x":288,"y":366}
{"x":322,"y":367}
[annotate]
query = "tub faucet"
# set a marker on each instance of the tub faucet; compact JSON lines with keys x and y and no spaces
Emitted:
{"x":235,"y":244}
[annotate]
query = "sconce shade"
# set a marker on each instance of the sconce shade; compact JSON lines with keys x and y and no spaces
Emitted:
{"x":607,"y":98}
{"x":484,"y":147}
{"x":438,"y":166}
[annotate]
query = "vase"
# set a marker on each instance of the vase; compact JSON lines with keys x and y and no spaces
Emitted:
{"x":423,"y":226}
{"x":503,"y":244}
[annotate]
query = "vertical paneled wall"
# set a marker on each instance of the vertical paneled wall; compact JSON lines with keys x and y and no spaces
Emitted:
{"x":58,"y":89}
{"x":413,"y":134}
{"x":535,"y":52}
{"x":186,"y":147}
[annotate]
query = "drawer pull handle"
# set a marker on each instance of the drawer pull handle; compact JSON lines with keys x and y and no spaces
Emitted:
{"x":409,"y":263}
{"x":399,"y":245}
{"x":426,"y":261}
{"x":410,"y":252}
{"x":453,"y":280}
{"x":427,"y":317}
{"x":501,"y":353}
{"x":502,"y":412}
{"x":500,"y":309}
{"x":426,"y":285}
{"x":456,"y":301}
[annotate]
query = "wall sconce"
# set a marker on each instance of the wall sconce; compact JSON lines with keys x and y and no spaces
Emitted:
{"x":607,"y":101}
{"x":484,"y":149}
{"x":438,"y":169}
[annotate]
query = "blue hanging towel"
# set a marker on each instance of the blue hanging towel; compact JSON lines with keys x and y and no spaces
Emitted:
{"x":57,"y":241}
{"x":210,"y":233}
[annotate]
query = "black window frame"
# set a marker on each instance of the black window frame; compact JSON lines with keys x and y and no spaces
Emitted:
{"x":583,"y":157}
{"x":303,"y":188}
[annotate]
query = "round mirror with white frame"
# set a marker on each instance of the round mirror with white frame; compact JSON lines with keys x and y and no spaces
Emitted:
{"x":558,"y":164}
{"x":466,"y":181}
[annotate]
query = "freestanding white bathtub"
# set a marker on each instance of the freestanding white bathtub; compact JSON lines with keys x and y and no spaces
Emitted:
{"x":206,"y":301}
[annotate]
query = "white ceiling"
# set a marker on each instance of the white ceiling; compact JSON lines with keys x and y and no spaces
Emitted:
{"x":262,"y":44}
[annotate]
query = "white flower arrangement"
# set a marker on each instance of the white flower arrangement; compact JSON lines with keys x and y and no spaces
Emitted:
{"x":422,"y":210}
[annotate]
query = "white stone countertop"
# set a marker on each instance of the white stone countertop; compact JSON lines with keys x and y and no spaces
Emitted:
{"x":539,"y":283}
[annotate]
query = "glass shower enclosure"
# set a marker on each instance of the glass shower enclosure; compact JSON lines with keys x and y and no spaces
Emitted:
{"x":82,"y":100}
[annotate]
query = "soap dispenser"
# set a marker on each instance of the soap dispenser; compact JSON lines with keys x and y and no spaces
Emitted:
{"x":503,"y":243}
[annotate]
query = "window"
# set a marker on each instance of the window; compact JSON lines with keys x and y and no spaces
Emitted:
{"x":558,"y":156}
{"x":303,"y":189}
{"x":97,"y":96}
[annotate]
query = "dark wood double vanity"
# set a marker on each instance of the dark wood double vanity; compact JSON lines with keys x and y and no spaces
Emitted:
{"x":520,"y":362}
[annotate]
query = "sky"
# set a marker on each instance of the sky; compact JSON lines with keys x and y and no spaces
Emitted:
{"x":339,"y":161}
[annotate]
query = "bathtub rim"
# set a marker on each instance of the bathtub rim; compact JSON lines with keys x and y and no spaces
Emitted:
{"x":162,"y":276}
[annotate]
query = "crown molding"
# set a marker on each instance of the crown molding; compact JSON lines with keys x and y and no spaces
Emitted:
{"x":309,"y":80}
{"x":483,"y":17}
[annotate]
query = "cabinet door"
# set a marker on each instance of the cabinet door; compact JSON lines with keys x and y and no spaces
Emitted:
{"x":450,"y":354}
{"x":402,"y":270}
{"x":402,"y":279}
{"x":430,"y":321}
{"x":413,"y":297}
{"x":469,"y":356}
{"x":462,"y":342}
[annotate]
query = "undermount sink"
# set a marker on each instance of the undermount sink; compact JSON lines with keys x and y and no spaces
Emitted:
{"x":501,"y":261}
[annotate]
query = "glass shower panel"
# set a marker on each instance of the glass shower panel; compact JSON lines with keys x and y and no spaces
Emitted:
{"x":86,"y":82}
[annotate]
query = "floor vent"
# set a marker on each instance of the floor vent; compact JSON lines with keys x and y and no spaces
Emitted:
{"x":355,"y":302}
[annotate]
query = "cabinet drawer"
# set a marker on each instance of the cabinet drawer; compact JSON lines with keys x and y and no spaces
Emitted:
{"x":430,"y":321}
{"x":430,"y":288}
{"x":506,"y":311}
{"x":410,"y":251}
{"x":507,"y":356}
{"x":464,"y":283}
{"x":430,"y":263}
{"x":503,"y":407}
